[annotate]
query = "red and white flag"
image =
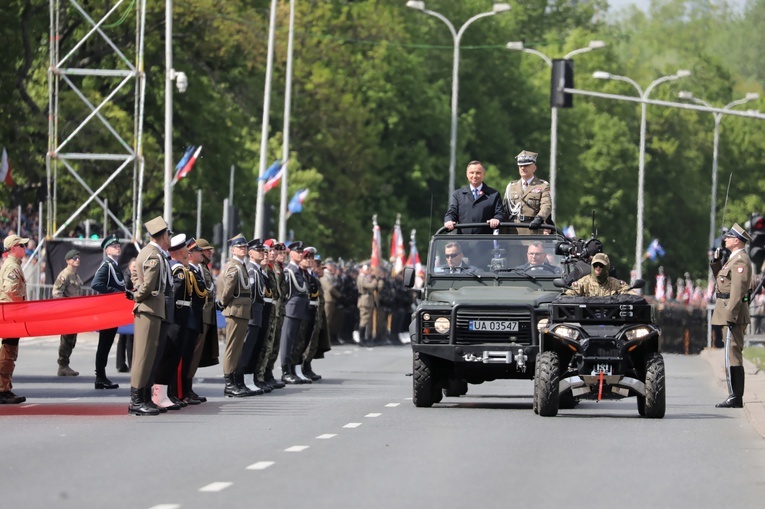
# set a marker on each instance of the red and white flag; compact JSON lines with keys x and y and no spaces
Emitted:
{"x":274,"y":181}
{"x":376,"y":243}
{"x":397,"y":253}
{"x":189,"y":164}
{"x":414,"y":256}
{"x":5,"y":169}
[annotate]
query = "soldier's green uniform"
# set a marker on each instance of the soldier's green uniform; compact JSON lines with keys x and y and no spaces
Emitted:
{"x":601,"y":285}
{"x":732,"y":310}
{"x":270,"y":351}
{"x":68,"y":284}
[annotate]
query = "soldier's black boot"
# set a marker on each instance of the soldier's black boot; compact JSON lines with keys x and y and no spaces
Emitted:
{"x":297,"y":370}
{"x":231,"y":390}
{"x":102,"y":382}
{"x":9,"y":398}
{"x":174,"y":395}
{"x":263,"y":386}
{"x":308,"y":371}
{"x":273,"y":382}
{"x":735,"y":400}
{"x":288,"y":376}
{"x":148,"y":393}
{"x":137,"y":404}
{"x":189,"y":396}
{"x":239,"y":381}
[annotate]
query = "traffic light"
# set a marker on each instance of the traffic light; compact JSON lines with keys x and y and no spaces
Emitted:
{"x":562,"y":76}
{"x":757,"y":245}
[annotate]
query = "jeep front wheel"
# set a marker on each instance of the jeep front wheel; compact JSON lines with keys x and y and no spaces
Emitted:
{"x":546,"y":385}
{"x":426,"y":391}
{"x":655,"y":403}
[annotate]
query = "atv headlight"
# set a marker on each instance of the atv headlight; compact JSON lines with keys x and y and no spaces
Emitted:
{"x":542,"y":324}
{"x":442,"y":325}
{"x":637,"y":332}
{"x":566,"y":332}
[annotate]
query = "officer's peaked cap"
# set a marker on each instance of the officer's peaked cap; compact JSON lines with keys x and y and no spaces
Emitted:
{"x":739,"y":233}
{"x":239,"y":240}
{"x":177,"y":242}
{"x":526,"y":157}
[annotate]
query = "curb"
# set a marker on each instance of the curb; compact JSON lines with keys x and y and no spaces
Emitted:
{"x":754,"y":393}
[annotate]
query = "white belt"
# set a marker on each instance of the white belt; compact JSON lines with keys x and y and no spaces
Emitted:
{"x":185,"y":303}
{"x":268,"y":300}
{"x":313,"y":302}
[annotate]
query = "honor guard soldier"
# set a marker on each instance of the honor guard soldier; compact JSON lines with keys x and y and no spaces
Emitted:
{"x":318,"y":342}
{"x":68,"y":284}
{"x":527,"y":200}
{"x":199,"y":295}
{"x":295,"y":312}
{"x":307,"y":326}
{"x":368,"y":284}
{"x":152,"y":277}
{"x":235,"y":298}
{"x":475,"y":203}
{"x":207,"y":343}
{"x":732,"y":308}
{"x":13,"y":288}
{"x":108,"y":279}
{"x":277,"y":283}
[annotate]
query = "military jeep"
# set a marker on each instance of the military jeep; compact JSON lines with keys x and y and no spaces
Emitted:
{"x":480,"y":322}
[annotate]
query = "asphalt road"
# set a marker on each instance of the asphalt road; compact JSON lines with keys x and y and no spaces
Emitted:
{"x":355,"y":440}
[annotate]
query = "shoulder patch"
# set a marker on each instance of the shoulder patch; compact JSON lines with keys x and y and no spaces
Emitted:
{"x":151,"y":262}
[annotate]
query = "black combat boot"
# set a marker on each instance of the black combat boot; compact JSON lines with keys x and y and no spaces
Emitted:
{"x":137,"y":404}
{"x":189,"y":396}
{"x":148,"y":399}
{"x":263,"y":386}
{"x":239,"y":381}
{"x":297,"y":370}
{"x":735,"y":400}
{"x":231,"y":390}
{"x":308,"y":371}
{"x":9,"y":398}
{"x":269,"y":379}
{"x":288,"y":376}
{"x":174,"y":396}
{"x":102,"y":382}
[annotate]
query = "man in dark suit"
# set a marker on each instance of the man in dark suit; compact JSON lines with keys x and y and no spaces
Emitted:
{"x":455,"y":262}
{"x":475,"y":203}
{"x":537,"y":260}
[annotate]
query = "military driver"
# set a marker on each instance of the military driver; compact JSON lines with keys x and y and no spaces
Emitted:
{"x":599,"y":283}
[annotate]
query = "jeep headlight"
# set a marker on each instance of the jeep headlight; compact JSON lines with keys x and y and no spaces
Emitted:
{"x":565,"y":331}
{"x":442,"y":325}
{"x":637,"y":332}
{"x":542,"y":324}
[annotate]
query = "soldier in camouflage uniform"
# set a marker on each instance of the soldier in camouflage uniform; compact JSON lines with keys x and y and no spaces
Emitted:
{"x":278,"y":286}
{"x":317,"y":336}
{"x":599,"y":283}
{"x":68,"y":284}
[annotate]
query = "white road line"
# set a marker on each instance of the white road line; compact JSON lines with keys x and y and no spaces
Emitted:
{"x":165,"y":506}
{"x":260,"y":465}
{"x":297,"y":448}
{"x":216,"y":486}
{"x":352,"y":425}
{"x":325,"y":436}
{"x":373,"y":415}
{"x":392,"y":405}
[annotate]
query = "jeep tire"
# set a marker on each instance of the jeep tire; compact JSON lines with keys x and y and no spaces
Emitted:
{"x":455,"y":387}
{"x":426,"y":390}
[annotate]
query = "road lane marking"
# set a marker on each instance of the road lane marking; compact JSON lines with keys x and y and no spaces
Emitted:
{"x":297,"y":448}
{"x":373,"y":415}
{"x":352,"y":425}
{"x":166,"y":506}
{"x":260,"y":465}
{"x":216,"y":486}
{"x":325,"y":436}
{"x":392,"y":405}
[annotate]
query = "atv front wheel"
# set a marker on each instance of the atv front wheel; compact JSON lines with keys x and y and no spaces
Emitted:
{"x":547,"y":384}
{"x":655,"y":404}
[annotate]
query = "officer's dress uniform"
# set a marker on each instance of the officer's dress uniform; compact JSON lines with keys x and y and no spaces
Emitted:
{"x":295,"y":311}
{"x":68,"y":284}
{"x":252,"y":341}
{"x":306,"y":350}
{"x":524,"y":201}
{"x":189,"y":363}
{"x":278,"y":286}
{"x":13,"y":288}
{"x":733,"y":281}
{"x":108,"y":279}
{"x":332,"y":295}
{"x":152,"y":277}
{"x":367,"y":286}
{"x":206,"y":350}
{"x":235,"y":296}
{"x":318,"y":341}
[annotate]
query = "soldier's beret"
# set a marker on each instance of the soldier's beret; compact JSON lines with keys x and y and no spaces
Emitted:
{"x":72,"y":253}
{"x":739,"y":233}
{"x":156,"y":226}
{"x":239,"y":240}
{"x":526,"y":157}
{"x":108,"y":241}
{"x":177,"y":242}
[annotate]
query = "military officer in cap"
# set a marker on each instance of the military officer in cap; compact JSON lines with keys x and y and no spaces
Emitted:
{"x":274,"y":269}
{"x":207,"y":342}
{"x":527,"y":200}
{"x":152,"y":277}
{"x":369,"y":285}
{"x":307,"y":326}
{"x":108,"y":279}
{"x":235,"y":298}
{"x":13,"y":288}
{"x":253,"y":341}
{"x":295,"y":312}
{"x":733,"y":281}
{"x":68,"y":284}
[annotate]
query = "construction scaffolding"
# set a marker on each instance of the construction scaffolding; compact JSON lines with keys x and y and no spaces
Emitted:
{"x":71,"y":132}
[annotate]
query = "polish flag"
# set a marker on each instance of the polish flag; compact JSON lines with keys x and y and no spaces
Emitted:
{"x":189,"y":164}
{"x":274,"y":181}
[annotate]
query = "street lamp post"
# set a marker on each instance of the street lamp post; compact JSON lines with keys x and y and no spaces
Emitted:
{"x":518,"y":46}
{"x":641,"y":164}
{"x":752,"y":96}
{"x":457,"y":37}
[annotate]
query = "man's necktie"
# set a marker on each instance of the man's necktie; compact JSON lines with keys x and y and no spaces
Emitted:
{"x":525,"y":185}
{"x":475,"y":194}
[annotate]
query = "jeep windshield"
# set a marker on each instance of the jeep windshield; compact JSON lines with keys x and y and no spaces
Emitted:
{"x":511,"y":256}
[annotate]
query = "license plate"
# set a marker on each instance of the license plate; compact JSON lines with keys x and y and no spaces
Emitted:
{"x":493,"y":325}
{"x":605,"y":368}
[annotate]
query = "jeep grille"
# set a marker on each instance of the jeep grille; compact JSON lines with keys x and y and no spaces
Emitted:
{"x":465,"y":336}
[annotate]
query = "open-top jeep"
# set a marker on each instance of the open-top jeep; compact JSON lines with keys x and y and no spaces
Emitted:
{"x":482,"y":308}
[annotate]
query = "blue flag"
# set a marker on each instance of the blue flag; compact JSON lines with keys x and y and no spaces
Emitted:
{"x":296,"y":203}
{"x":271,"y":171}
{"x":654,"y":250}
